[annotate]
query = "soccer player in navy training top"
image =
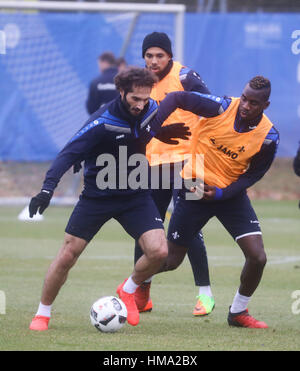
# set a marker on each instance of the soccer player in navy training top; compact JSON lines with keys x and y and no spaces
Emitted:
{"x":123,"y":127}
{"x":102,"y":89}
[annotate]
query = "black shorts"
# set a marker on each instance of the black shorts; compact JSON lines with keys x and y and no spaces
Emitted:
{"x":236,"y":214}
{"x":137,"y":214}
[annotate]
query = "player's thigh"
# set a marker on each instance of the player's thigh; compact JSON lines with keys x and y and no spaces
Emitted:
{"x":187,"y":219}
{"x":140,"y":215}
{"x":88,"y":217}
{"x":238,"y":217}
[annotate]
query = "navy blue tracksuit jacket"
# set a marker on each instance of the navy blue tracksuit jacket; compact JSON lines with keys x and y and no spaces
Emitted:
{"x":108,"y":129}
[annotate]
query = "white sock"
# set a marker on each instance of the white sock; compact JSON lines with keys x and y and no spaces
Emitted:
{"x":44,"y":310}
{"x":130,"y":286}
{"x":205,"y":290}
{"x":240,"y":303}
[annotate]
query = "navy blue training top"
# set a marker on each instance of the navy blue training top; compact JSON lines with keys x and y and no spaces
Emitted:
{"x":110,"y":136}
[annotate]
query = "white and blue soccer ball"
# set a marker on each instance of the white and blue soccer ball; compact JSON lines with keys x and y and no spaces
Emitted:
{"x":108,"y":314}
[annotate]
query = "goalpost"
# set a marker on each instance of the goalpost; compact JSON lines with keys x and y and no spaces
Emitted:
{"x":37,"y":72}
{"x":177,"y":9}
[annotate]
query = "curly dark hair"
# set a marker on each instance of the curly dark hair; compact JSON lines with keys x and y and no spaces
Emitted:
{"x":261,"y":83}
{"x":134,"y":77}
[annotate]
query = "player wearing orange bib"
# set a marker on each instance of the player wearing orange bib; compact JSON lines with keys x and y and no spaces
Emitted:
{"x":239,"y":143}
{"x":165,"y":158}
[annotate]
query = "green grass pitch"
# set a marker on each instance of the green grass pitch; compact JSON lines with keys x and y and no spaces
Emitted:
{"x":27,"y":248}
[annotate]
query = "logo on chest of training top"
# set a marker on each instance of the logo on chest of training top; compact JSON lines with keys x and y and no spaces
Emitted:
{"x":234,"y":154}
{"x":228,"y":152}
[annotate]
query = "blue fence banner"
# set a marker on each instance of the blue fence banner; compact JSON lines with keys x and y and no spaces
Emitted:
{"x":227,"y":50}
{"x":49,"y":60}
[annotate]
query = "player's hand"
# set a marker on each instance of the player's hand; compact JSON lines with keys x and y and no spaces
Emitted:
{"x":209,"y":192}
{"x":198,"y":190}
{"x":178,"y":130}
{"x":40,"y":202}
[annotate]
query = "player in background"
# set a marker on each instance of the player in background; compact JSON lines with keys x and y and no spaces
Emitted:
{"x":121,"y":64}
{"x":130,"y":121}
{"x":239,"y":143}
{"x":296,"y":164}
{"x":102,"y":89}
{"x":173,"y":76}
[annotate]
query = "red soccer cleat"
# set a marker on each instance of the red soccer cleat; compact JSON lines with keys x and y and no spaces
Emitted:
{"x":39,"y":323}
{"x":243,"y":319}
{"x":147,"y":308}
{"x":133,"y":316}
{"x":142,"y":297}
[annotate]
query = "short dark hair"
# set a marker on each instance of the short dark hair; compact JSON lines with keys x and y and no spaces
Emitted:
{"x":134,"y":76}
{"x":107,"y":57}
{"x":261,"y":83}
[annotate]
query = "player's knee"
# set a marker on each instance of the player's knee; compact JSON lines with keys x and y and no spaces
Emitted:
{"x":173,"y":262}
{"x":253,"y":249}
{"x":162,"y":252}
{"x":154,"y":245}
{"x":171,"y":265}
{"x":159,"y":251}
{"x":175,"y":257}
{"x":69,"y":253}
{"x":259,"y":259}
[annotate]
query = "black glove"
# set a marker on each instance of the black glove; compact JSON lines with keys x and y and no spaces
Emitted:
{"x":40,"y":202}
{"x":76,"y":167}
{"x":178,"y":130}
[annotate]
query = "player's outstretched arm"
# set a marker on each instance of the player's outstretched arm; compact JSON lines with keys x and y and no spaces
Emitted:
{"x":205,"y":105}
{"x":74,"y":152}
{"x":200,"y":104}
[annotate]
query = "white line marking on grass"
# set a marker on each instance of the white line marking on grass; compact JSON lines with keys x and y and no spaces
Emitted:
{"x":283,"y":259}
{"x":234,"y":261}
{"x":216,"y":261}
{"x":101,"y":257}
